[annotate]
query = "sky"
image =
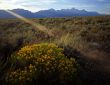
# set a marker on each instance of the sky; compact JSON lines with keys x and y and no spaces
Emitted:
{"x":101,"y":6}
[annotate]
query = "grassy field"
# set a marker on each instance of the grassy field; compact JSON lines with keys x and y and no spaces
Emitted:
{"x":86,"y":39}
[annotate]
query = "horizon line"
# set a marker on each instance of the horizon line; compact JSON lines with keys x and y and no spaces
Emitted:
{"x":54,"y":9}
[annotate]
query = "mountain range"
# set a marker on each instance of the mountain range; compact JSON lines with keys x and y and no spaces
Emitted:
{"x":50,"y":13}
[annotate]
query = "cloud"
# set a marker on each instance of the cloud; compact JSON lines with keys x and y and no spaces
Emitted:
{"x":36,"y":5}
{"x":6,"y":4}
{"x":33,"y":5}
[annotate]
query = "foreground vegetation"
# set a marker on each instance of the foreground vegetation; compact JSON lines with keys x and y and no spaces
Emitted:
{"x":41,"y":62}
{"x":84,"y":60}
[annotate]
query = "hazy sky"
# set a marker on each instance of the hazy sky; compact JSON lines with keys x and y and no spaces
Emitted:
{"x":102,"y":6}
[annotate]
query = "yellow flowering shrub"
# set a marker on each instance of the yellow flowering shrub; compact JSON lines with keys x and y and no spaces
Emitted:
{"x":41,"y":62}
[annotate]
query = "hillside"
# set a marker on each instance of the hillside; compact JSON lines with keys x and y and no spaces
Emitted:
{"x":84,"y":38}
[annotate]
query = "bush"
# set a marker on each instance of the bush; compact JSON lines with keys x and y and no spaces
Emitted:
{"x":41,"y":63}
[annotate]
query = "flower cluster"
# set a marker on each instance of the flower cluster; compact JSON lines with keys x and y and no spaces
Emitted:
{"x":21,"y":76}
{"x":42,"y":61}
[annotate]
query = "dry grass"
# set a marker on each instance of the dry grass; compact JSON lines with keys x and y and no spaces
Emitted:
{"x":82,"y":37}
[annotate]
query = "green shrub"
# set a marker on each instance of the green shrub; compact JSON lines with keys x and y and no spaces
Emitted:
{"x":41,"y":63}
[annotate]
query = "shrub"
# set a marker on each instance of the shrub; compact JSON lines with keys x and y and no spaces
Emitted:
{"x":41,"y":63}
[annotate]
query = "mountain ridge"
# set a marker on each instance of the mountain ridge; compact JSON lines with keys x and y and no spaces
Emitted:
{"x":50,"y":13}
